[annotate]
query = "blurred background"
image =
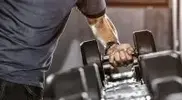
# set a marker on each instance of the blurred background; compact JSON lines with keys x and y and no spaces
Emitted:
{"x":128,"y":16}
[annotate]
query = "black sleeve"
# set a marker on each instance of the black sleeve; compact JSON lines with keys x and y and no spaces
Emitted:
{"x":92,"y":8}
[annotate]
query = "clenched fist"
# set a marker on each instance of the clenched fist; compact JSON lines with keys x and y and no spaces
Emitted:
{"x":120,"y":54}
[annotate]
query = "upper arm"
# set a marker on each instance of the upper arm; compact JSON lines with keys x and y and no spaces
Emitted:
{"x":92,"y":8}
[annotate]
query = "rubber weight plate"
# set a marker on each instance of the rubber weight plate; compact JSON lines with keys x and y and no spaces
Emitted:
{"x":91,"y":54}
{"x":144,"y":42}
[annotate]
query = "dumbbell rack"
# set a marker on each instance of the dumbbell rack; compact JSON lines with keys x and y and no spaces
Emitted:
{"x":120,"y":85}
{"x":159,"y":84}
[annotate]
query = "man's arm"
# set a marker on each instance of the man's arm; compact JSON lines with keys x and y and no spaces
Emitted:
{"x":105,"y":31}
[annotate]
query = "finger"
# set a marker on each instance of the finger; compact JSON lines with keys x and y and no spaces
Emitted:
{"x":117,"y":57}
{"x":130,"y":51}
{"x":110,"y":51}
{"x":128,"y":57}
{"x":111,"y":58}
{"x":123,"y":56}
{"x":115,"y":64}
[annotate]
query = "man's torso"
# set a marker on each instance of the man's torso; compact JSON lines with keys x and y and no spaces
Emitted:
{"x":28,"y":33}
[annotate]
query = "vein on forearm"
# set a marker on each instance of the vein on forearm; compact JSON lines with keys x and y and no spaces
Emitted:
{"x":103,"y":29}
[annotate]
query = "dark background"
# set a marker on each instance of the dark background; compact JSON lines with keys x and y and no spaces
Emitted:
{"x":128,"y":16}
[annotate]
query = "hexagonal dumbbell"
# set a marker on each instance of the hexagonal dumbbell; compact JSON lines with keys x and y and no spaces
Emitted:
{"x":144,"y":43}
{"x":82,"y":82}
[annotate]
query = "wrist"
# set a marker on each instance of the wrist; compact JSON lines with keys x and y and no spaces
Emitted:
{"x":110,"y":45}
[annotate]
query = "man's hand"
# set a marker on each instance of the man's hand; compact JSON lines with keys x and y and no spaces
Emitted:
{"x":120,"y":54}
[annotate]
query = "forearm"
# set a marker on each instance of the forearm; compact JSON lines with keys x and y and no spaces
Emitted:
{"x":103,"y":29}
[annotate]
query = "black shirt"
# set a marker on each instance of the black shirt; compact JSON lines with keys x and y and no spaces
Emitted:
{"x":29,"y":30}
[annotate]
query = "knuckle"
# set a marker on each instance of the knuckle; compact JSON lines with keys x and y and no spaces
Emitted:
{"x":117,"y":59}
{"x":129,"y":58}
{"x":123,"y":58}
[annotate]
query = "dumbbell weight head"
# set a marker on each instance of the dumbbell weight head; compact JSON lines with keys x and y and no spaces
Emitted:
{"x":137,"y":73}
{"x":144,"y":44}
{"x":72,"y":83}
{"x":66,"y":83}
{"x":158,"y":65}
{"x":91,"y":54}
{"x":166,"y":87}
{"x":93,"y":81}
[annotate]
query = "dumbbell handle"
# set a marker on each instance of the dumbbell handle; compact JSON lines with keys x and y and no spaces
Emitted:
{"x":106,"y":59}
{"x":116,"y":75}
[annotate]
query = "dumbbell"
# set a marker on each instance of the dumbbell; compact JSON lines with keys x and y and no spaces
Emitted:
{"x":162,"y":74}
{"x":71,"y":84}
{"x":143,"y":41}
{"x":66,"y":83}
{"x":167,"y":88}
